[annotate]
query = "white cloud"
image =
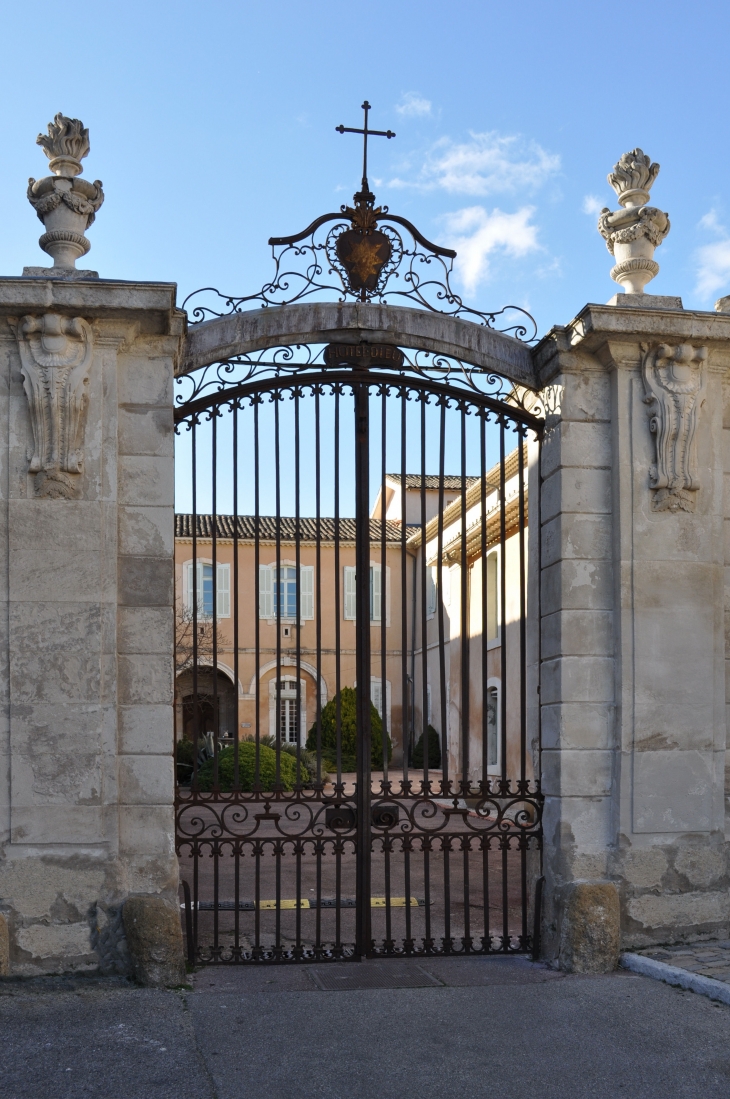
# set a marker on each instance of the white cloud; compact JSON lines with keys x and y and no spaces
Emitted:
{"x":592,"y":205}
{"x":487,"y":164}
{"x":713,"y":260}
{"x":711,"y":221}
{"x":476,"y":234}
{"x":414,"y":104}
{"x":713,"y":268}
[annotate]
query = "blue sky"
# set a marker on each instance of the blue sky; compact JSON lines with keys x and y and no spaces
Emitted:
{"x":213,"y":127}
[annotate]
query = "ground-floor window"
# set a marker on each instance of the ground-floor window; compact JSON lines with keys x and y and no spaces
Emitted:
{"x":493,"y":723}
{"x":287,"y":720}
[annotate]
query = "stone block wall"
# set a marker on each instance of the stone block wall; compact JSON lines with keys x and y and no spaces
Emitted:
{"x":86,"y":616}
{"x":633,"y":638}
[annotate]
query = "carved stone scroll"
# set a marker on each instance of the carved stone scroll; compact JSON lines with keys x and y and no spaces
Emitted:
{"x":675,"y":381}
{"x":55,"y":354}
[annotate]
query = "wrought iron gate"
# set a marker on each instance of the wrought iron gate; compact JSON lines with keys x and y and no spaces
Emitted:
{"x":357,"y":738}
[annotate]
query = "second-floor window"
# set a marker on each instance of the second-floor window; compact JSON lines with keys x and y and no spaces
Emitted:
{"x":278,"y":593}
{"x":203,"y":588}
{"x":376,"y":594}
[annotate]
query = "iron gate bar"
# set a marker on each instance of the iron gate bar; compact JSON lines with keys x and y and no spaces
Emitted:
{"x":362,"y":659}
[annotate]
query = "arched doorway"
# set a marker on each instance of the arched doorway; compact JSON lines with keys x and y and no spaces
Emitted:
{"x":205,"y":704}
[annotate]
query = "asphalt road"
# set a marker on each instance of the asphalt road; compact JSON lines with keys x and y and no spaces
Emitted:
{"x":494,"y":1027}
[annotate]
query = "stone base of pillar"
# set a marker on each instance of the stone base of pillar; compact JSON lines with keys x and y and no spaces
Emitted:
{"x":590,"y":933}
{"x":154,"y":941}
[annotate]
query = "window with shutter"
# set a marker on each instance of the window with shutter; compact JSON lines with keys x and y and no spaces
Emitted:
{"x":306,"y":605}
{"x":202,"y":589}
{"x":376,"y":697}
{"x":375,"y":593}
{"x":431,"y":576}
{"x":188,"y":586}
{"x":266,"y":592}
{"x":350,"y":603}
{"x":492,"y":605}
{"x":223,"y":606}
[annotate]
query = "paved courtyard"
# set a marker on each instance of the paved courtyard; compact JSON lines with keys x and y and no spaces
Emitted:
{"x":446,"y":1028}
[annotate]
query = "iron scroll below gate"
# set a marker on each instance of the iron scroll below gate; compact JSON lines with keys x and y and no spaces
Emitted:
{"x":356,"y":739}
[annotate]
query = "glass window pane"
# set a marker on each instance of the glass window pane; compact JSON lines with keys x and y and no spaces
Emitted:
{"x":207,"y":592}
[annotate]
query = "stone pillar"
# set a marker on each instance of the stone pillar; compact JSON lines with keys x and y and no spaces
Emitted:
{"x":86,"y":613}
{"x":635,"y":562}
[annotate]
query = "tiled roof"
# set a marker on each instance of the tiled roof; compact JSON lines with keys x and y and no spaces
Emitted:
{"x":413,"y":480}
{"x":267,"y":528}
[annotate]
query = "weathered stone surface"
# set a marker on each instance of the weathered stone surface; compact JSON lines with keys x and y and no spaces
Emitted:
{"x":644,"y":867}
{"x":73,"y":574}
{"x":145,"y":679}
{"x":146,"y":531}
{"x":145,"y":729}
{"x":144,"y":430}
{"x":145,"y":630}
{"x":321,"y":322}
{"x":4,"y":946}
{"x":154,"y":940}
{"x":591,"y":928}
{"x":145,"y":479}
{"x":146,"y":581}
{"x":680,"y":914}
{"x":586,"y":491}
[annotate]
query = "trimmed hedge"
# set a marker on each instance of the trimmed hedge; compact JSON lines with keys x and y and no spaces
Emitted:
{"x":247,"y":766}
{"x":348,"y":728}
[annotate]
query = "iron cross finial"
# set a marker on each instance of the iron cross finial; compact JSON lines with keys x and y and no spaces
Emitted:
{"x":366,"y":133}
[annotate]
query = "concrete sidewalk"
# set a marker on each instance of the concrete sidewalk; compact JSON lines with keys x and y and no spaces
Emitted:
{"x":493,"y":1027}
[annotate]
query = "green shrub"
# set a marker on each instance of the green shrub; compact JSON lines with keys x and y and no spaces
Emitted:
{"x":434,"y":750}
{"x":185,"y":752}
{"x":307,"y":760}
{"x":247,"y":766}
{"x":348,"y":728}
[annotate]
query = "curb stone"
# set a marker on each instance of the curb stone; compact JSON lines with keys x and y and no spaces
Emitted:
{"x":673,"y":975}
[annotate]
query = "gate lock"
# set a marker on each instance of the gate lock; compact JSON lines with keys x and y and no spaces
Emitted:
{"x":385,"y":816}
{"x":340,"y":818}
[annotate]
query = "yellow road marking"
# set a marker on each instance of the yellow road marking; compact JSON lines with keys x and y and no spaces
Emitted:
{"x":395,"y":902}
{"x":375,"y":902}
{"x":304,"y":903}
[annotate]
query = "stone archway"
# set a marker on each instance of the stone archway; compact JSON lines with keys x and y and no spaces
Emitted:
{"x":323,"y":322}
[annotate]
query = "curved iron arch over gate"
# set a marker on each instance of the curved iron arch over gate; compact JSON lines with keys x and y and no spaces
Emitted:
{"x":351,"y":552}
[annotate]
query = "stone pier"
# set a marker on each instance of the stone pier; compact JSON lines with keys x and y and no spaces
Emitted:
{"x":86,"y":612}
{"x":635,"y":579}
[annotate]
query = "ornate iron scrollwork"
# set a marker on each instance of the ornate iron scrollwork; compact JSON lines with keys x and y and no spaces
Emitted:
{"x":218,"y":379}
{"x":360,"y":257}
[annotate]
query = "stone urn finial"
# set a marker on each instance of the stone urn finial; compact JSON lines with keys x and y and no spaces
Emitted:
{"x":65,"y":204}
{"x":632,"y":233}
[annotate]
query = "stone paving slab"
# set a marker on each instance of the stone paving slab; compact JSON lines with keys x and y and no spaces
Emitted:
{"x":708,"y":959}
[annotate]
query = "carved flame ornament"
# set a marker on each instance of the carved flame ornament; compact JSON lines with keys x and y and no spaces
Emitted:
{"x":64,"y":203}
{"x":55,"y":355}
{"x":634,"y":232}
{"x":675,"y":381}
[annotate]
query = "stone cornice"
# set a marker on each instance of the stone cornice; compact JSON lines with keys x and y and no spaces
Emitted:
{"x":597,"y":325}
{"x":93,"y":298}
